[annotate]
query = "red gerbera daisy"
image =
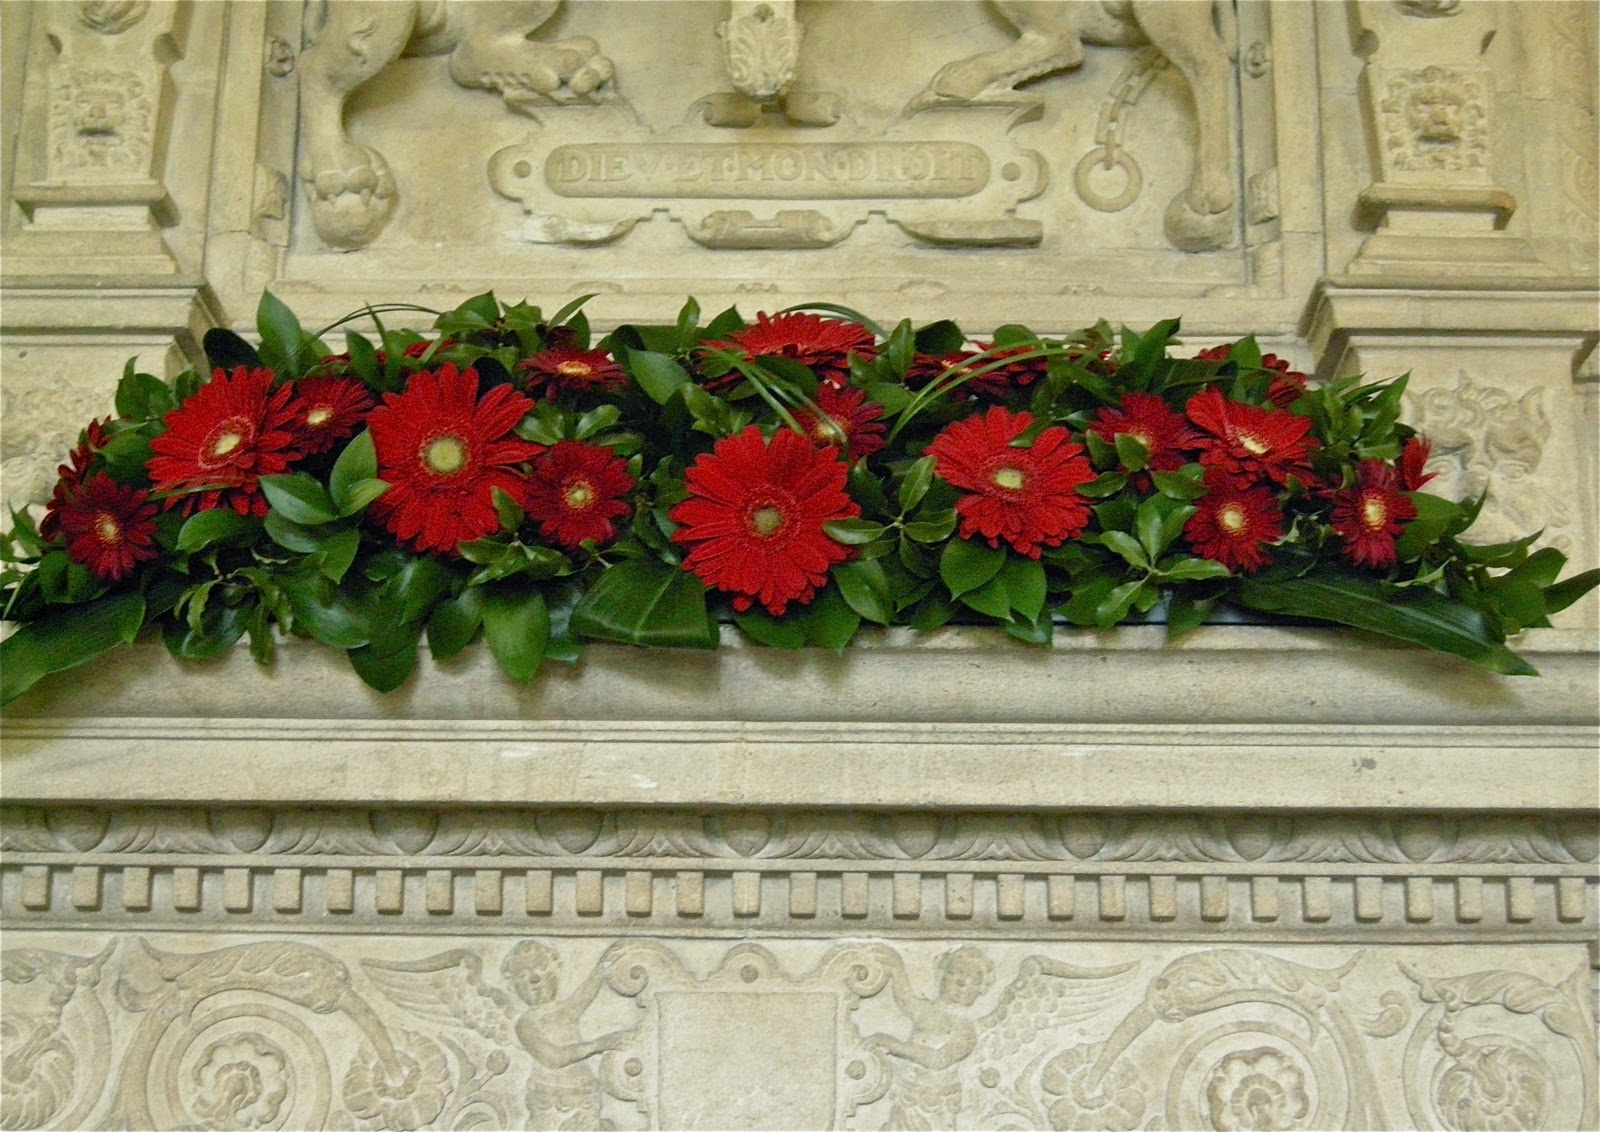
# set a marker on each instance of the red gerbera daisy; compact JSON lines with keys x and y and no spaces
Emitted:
{"x":1249,"y":443}
{"x":442,"y":452}
{"x":754,"y":517}
{"x":998,"y":383}
{"x":569,"y":368}
{"x":1027,"y":497}
{"x":1368,"y":514}
{"x":925,"y":368}
{"x":220,"y":442}
{"x":109,"y":528}
{"x":848,"y":421}
{"x":576,"y":493}
{"x":1413,"y":459}
{"x":72,"y":473}
{"x":1286,"y":385}
{"x":1147,"y":418}
{"x":1233,"y":525}
{"x":326,"y":410}
{"x":824,"y":344}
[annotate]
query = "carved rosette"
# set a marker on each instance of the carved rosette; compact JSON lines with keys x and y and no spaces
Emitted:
{"x":1433,"y":123}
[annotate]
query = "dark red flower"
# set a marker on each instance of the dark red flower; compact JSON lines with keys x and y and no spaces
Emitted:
{"x":753,"y":520}
{"x":1250,"y":443}
{"x":577,"y":493}
{"x":925,"y":368}
{"x":326,"y":410}
{"x":824,"y":344}
{"x":848,"y":421}
{"x":1232,"y":525}
{"x":1368,"y":515}
{"x":1148,"y":419}
{"x":999,"y":383}
{"x":220,"y":442}
{"x":1027,"y":497}
{"x":72,"y":473}
{"x":443,"y":452}
{"x":1413,"y":459}
{"x":109,"y":527}
{"x":1286,"y":385}
{"x":565,"y":368}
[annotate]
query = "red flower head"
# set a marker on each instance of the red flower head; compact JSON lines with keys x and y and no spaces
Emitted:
{"x":1413,"y":459}
{"x":848,"y":421}
{"x":442,"y":452}
{"x":576,"y":493}
{"x":220,"y":442}
{"x":1368,"y":514}
{"x":326,"y":410}
{"x":566,"y":368}
{"x":1233,"y":525}
{"x":924,"y":368}
{"x":109,"y":528}
{"x":1027,"y":497}
{"x":824,"y":344}
{"x":1286,"y":385}
{"x":72,"y":473}
{"x":998,"y":383}
{"x":1250,"y":443}
{"x":754,"y":517}
{"x":1146,"y":418}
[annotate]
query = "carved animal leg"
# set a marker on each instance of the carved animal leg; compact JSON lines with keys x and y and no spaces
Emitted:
{"x":351,"y":189}
{"x":1047,"y":41}
{"x":1202,"y":216}
{"x":498,"y":55}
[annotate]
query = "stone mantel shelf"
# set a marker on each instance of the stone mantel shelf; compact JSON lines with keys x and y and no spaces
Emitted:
{"x":1231,"y":717}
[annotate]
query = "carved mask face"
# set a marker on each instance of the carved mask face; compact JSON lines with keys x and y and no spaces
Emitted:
{"x":99,"y":112}
{"x":531,"y":970}
{"x":1435,"y":114}
{"x":966,"y":975}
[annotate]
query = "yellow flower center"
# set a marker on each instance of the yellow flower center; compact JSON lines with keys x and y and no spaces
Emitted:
{"x":1254,"y":444}
{"x":575,"y":368}
{"x":445,"y":455}
{"x":1011,"y":479}
{"x":319,"y":416}
{"x":1231,"y":518}
{"x":828,"y":432}
{"x":1374,"y":513}
{"x":579,"y":495}
{"x":107,"y":528}
{"x":226,"y":443}
{"x":1140,"y":437}
{"x":766,"y":521}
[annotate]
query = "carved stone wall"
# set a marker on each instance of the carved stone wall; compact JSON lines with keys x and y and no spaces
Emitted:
{"x":1272,"y":878}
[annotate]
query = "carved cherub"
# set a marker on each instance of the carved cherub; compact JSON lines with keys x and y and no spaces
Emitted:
{"x":562,"y":1091}
{"x":926,"y":1091}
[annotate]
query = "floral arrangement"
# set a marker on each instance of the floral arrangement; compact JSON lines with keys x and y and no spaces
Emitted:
{"x":801,"y":475}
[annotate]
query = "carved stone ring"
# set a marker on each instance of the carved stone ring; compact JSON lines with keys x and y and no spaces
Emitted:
{"x":1103,"y":156}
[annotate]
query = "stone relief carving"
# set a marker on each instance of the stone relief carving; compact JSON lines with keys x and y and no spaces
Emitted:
{"x":1051,"y":38}
{"x":101,"y":123}
{"x":340,"y":1032}
{"x":1488,"y":438}
{"x":111,"y":17}
{"x":1435,"y":120}
{"x":1579,"y":160}
{"x":352,"y":191}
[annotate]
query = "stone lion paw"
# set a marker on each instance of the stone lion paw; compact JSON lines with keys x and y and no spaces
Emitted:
{"x":1194,"y":230}
{"x":352,"y":195}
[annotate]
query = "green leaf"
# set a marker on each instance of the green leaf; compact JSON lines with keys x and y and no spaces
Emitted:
{"x":828,"y":621}
{"x":1124,"y":544}
{"x":338,"y":552}
{"x":934,"y":526}
{"x":1115,"y":605}
{"x":324,"y":612}
{"x":967,"y":565}
{"x":416,"y":586}
{"x":208,"y":528}
{"x":688,"y":322}
{"x":775,"y":632}
{"x":657,"y":374}
{"x":508,"y":510}
{"x":918,"y":478}
{"x":1147,"y":522}
{"x":455,"y":622}
{"x":1193,"y":570}
{"x":363,"y":358}
{"x":1563,"y":594}
{"x":356,"y":464}
{"x":596,"y":420}
{"x":516,"y":623}
{"x":65,"y":639}
{"x":646,"y":602}
{"x":225,"y":350}
{"x":1132,"y":452}
{"x":290,"y":536}
{"x":360,"y":495}
{"x":280,"y":336}
{"x":1025,"y":585}
{"x":384,"y":671}
{"x":299,"y":498}
{"x":1101,"y":486}
{"x":865,"y":588}
{"x":1412,"y":614}
{"x":142,"y":397}
{"x":1185,"y":614}
{"x":853,"y":532}
{"x":992,"y":598}
{"x":940,"y":338}
{"x":1434,"y":517}
{"x":1183,"y":485}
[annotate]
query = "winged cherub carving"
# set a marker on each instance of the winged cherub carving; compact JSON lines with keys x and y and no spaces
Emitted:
{"x":562,"y":1092}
